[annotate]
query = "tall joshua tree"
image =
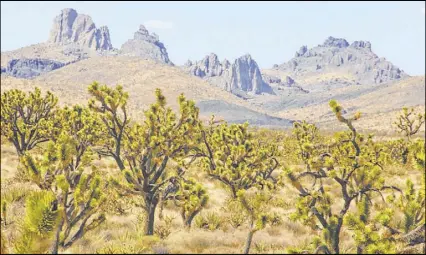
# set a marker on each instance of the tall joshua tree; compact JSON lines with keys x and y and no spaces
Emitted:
{"x":148,"y":148}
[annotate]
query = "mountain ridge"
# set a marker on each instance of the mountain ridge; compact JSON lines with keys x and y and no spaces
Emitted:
{"x":78,"y":53}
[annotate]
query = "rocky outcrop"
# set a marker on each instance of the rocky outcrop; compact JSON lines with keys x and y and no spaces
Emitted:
{"x":246,"y":76}
{"x":361,"y":45}
{"x":71,"y":27}
{"x":241,"y":76}
{"x":146,"y":46}
{"x":301,"y":51}
{"x":336,"y":55}
{"x":271,"y":79}
{"x":29,"y":68}
{"x":335,"y":42}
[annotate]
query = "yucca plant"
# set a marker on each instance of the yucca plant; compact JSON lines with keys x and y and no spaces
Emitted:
{"x":42,"y":215}
{"x":63,"y":170}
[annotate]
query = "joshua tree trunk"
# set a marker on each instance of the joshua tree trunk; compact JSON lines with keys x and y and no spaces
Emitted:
{"x":55,"y":245}
{"x":335,"y":239}
{"x":248,"y":241}
{"x":120,"y":163}
{"x":151,"y":205}
{"x":188,"y":221}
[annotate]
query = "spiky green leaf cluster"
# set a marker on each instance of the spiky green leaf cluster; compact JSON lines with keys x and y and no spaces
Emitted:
{"x":41,"y":213}
{"x":192,"y":198}
{"x":307,"y":137}
{"x":42,"y":216}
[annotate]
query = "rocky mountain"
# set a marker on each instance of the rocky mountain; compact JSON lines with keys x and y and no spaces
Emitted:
{"x":355,"y":63}
{"x":145,"y":45}
{"x":71,"y":27}
{"x":241,"y":77}
{"x":74,"y":37}
{"x":78,"y":53}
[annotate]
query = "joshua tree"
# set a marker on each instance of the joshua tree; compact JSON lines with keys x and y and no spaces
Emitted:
{"x":27,"y":119}
{"x":78,"y":194}
{"x":149,"y":147}
{"x":189,"y":195}
{"x":409,"y":123}
{"x":256,"y":206}
{"x":232,"y":156}
{"x":348,"y":162}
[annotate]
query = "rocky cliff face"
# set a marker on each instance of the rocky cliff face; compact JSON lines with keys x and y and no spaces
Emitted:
{"x":71,"y":27}
{"x":146,"y":45}
{"x":29,"y":68}
{"x":336,"y":55}
{"x":241,"y":76}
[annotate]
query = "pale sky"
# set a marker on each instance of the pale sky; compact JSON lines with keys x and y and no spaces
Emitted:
{"x":270,"y":31}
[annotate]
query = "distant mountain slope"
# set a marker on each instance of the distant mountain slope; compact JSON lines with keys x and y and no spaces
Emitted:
{"x":378,"y":106}
{"x":240,"y":114}
{"x":140,"y":78}
{"x":77,"y":53}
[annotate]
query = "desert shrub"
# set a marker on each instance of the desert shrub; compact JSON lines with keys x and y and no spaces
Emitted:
{"x":276,"y":219}
{"x":235,"y":213}
{"x":164,"y":230}
{"x":160,"y":249}
{"x":122,"y":249}
{"x":210,"y":221}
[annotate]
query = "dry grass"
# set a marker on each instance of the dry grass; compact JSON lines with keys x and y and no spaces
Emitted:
{"x":124,"y":233}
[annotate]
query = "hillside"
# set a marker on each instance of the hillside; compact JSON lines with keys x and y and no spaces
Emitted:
{"x":379,"y":105}
{"x":140,"y":78}
{"x":77,"y":53}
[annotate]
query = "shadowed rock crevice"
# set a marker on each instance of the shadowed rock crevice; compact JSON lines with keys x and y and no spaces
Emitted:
{"x":29,"y":68}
